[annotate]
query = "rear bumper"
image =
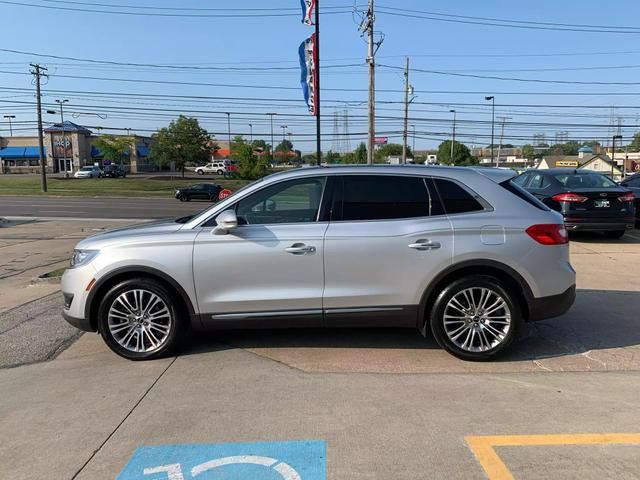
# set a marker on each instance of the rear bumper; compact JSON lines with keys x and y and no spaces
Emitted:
{"x":576,"y":226}
{"x":553,"y":306}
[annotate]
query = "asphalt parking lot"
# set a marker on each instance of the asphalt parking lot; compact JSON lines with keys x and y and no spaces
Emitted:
{"x":335,"y":404}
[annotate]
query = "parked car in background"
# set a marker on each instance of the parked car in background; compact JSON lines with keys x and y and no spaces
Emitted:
{"x":114,"y":171}
{"x":219,"y":168}
{"x":200,"y":191}
{"x":459,"y":253}
{"x":88,"y":172}
{"x":588,"y":201}
{"x":632,"y":183}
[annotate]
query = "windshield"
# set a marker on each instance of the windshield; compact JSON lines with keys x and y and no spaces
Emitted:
{"x":589,"y":180}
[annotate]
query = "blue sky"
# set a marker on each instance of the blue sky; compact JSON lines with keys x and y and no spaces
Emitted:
{"x":266,"y":48}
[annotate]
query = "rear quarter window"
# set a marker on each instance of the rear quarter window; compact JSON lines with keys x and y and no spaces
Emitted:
{"x":454,"y":198}
{"x":521,"y":193}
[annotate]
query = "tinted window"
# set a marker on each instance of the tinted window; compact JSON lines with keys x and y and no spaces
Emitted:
{"x":634,"y":182}
{"x":456,"y":199}
{"x":518,"y":191}
{"x":370,"y":197}
{"x":522,"y":179}
{"x":536,"y":181}
{"x":295,"y":201}
{"x":589,"y":180}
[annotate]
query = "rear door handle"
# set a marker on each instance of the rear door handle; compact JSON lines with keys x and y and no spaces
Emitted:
{"x":300,"y":249}
{"x":424,"y":244}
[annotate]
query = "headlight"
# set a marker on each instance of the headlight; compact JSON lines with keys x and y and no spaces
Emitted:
{"x":82,"y":257}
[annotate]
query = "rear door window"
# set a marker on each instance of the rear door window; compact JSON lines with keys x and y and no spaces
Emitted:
{"x":382,"y":197}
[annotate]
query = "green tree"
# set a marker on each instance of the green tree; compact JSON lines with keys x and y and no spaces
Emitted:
{"x":635,"y":143}
{"x":360,"y":154}
{"x":332,"y":157}
{"x":528,"y":152}
{"x":180,"y":142}
{"x":114,"y":149}
{"x":461,"y":154}
{"x":250,"y":166}
{"x":283,"y":149}
{"x":569,"y":148}
{"x":390,"y":150}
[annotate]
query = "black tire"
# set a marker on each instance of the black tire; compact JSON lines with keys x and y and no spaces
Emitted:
{"x":177,"y":328}
{"x":436,"y":319}
{"x":615,"y":234}
{"x":200,"y":172}
{"x":182,"y":197}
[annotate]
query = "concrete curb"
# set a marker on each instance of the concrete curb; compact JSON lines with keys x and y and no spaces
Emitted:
{"x":44,"y":280}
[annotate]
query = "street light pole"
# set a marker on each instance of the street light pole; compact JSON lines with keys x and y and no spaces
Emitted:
{"x":413,"y":146}
{"x":251,"y":133}
{"x":9,"y":117}
{"x":284,"y":131}
{"x":493,"y":121}
{"x":229,"y":131}
{"x":453,"y":136}
{"x":272,"y":148}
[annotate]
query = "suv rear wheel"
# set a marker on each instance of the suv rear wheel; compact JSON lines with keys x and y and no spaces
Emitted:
{"x":475,"y":318}
{"x":139,"y":319}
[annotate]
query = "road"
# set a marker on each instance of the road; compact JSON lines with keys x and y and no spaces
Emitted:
{"x":96,"y":207}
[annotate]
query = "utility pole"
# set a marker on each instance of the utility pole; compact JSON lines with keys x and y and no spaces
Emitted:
{"x":251,"y":133}
{"x":38,"y":72}
{"x":413,"y":147}
{"x":406,"y":111}
{"x":504,"y":119}
{"x":453,"y":136}
{"x":9,"y":117}
{"x":372,"y":84}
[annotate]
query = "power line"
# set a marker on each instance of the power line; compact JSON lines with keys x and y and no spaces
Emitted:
{"x":512,"y":79}
{"x":150,"y":13}
{"x":506,"y":23}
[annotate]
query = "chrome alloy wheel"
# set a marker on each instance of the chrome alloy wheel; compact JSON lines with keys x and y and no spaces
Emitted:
{"x":139,"y":320}
{"x":477,"y":319}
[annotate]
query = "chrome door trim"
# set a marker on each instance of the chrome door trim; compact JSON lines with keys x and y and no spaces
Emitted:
{"x":362,"y":310}
{"x":283,"y":313}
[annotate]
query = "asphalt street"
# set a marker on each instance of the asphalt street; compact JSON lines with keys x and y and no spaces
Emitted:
{"x":82,"y":207}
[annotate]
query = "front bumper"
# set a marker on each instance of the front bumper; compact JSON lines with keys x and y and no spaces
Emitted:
{"x":552,"y":306}
{"x":80,"y":323}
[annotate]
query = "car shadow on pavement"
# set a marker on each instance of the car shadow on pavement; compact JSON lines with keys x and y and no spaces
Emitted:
{"x":599,"y":320}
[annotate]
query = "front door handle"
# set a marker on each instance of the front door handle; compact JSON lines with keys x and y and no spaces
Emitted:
{"x":300,"y":249}
{"x":424,"y":244}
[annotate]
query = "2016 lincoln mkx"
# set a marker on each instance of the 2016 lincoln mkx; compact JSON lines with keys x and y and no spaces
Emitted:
{"x":459,"y":253}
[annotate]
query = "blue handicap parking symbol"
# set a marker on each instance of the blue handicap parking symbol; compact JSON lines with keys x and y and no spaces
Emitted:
{"x":294,"y":460}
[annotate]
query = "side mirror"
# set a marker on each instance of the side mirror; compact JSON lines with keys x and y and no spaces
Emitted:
{"x":226,"y":222}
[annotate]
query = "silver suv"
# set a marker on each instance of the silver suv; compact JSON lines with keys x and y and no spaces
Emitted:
{"x":459,"y":252}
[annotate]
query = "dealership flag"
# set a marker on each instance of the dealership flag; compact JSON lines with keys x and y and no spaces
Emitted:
{"x":307,"y":11}
{"x":307,"y":52}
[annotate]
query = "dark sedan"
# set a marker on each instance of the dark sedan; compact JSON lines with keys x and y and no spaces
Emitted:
{"x":588,"y":201}
{"x":200,"y":191}
{"x":632,"y":183}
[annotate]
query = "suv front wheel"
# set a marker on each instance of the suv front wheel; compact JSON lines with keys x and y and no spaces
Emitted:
{"x":139,"y":319}
{"x":475,"y":318}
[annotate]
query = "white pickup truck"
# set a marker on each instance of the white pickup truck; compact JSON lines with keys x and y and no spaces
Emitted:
{"x":213,"y":167}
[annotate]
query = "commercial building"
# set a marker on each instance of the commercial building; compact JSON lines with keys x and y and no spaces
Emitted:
{"x":67,"y":148}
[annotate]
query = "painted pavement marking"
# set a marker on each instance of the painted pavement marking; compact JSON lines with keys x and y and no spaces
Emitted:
{"x":292,"y":460}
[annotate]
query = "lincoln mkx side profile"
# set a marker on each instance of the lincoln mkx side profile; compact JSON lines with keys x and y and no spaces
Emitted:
{"x":462,"y":254}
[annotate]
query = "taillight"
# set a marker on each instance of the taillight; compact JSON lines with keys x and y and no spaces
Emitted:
{"x":548,"y":234}
{"x":569,"y":197}
{"x":627,"y":197}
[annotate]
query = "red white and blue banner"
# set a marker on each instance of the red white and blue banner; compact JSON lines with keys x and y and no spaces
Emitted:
{"x":307,"y":53}
{"x":307,"y":11}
